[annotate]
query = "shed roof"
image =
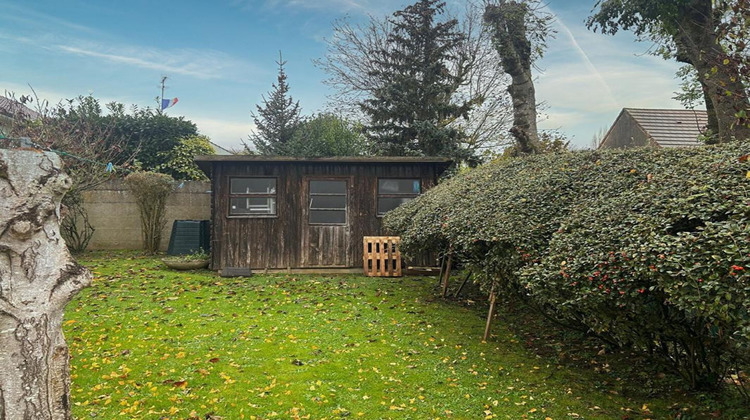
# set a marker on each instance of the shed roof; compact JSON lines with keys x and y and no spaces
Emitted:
{"x":670,"y":127}
{"x":205,"y":162}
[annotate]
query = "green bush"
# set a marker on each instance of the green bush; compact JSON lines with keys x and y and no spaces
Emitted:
{"x":179,"y":163}
{"x":645,"y":248}
{"x":151,"y":190}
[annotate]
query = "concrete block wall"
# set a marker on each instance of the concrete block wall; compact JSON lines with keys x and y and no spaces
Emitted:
{"x":116,"y":219}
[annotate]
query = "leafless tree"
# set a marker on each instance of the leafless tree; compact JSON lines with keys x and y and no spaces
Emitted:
{"x":77,"y":130}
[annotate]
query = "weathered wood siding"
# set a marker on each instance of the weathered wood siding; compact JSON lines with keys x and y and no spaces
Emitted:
{"x":625,"y":134}
{"x":287,"y":240}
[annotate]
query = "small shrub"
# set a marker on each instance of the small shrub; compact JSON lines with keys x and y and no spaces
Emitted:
{"x":151,"y":191}
{"x":75,"y":227}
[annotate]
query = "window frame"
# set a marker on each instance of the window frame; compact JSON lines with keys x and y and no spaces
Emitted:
{"x":310,"y":196}
{"x":274,"y":195}
{"x":391,"y":195}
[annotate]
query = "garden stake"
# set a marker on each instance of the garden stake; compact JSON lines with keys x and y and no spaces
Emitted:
{"x":447,"y":274}
{"x":458,"y":292}
{"x":442,"y":270}
{"x":490,"y":313}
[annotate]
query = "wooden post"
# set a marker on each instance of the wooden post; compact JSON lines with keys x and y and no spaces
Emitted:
{"x":442,"y":270}
{"x":458,"y":292}
{"x":447,"y":273}
{"x":490,"y":313}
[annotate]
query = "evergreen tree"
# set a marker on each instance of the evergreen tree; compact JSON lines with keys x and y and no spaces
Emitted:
{"x":327,"y":135}
{"x":411,"y":109}
{"x":278,"y":118}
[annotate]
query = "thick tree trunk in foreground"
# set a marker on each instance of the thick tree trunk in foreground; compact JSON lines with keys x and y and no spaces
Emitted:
{"x":37,"y":279}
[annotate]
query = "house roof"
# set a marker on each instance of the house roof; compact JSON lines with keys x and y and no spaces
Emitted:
{"x":205,"y":162}
{"x":11,"y":108}
{"x":220,"y":150}
{"x":669,"y":127}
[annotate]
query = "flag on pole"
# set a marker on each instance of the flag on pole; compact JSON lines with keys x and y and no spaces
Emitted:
{"x":168,"y":103}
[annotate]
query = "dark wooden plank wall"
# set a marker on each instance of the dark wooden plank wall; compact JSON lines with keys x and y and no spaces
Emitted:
{"x":625,"y":134}
{"x":278,"y":242}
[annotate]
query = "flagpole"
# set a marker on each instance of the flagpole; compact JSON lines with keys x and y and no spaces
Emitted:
{"x":163,"y":104}
{"x":161,"y":99}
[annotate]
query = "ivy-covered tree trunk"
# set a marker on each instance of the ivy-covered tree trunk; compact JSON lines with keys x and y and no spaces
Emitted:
{"x":509,"y":28}
{"x":725,"y":93}
{"x":37,"y":279}
{"x":707,"y":34}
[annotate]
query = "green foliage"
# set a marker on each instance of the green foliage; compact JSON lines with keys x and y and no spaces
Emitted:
{"x":410,"y":110}
{"x":81,"y":127}
{"x":646,"y":248}
{"x":151,"y":191}
{"x":325,"y":135}
{"x":150,"y":136}
{"x":277,"y":120}
{"x":178,"y":162}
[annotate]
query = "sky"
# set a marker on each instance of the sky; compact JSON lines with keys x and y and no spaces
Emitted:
{"x":219,"y":58}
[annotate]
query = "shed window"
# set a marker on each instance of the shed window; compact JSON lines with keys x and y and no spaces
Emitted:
{"x":328,"y":202}
{"x":393,"y":192}
{"x":252,"y":197}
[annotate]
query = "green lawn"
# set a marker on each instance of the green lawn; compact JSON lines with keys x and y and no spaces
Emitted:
{"x":151,"y":343}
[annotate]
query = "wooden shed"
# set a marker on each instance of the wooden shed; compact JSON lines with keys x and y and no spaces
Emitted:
{"x":272,"y":212}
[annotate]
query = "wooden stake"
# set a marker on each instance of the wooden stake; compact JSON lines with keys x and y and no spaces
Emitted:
{"x":490,"y":314}
{"x":447,"y":274}
{"x":442,"y":270}
{"x":458,"y":292}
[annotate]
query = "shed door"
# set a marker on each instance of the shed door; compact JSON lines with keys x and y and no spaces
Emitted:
{"x":326,"y":222}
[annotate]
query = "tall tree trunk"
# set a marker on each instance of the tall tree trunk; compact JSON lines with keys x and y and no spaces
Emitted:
{"x":508,"y":22}
{"x":37,"y":279}
{"x":725,"y":93}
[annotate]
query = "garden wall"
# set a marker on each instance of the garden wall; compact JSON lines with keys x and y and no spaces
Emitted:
{"x":114,"y":214}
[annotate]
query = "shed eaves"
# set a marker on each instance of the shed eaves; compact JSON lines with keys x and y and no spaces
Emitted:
{"x":671,"y":127}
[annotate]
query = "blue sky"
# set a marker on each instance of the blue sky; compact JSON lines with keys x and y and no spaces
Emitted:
{"x":219,"y":57}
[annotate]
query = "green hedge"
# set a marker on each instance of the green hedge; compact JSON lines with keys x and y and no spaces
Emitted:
{"x":648,"y":249}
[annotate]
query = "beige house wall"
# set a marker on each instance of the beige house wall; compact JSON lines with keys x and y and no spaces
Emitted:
{"x":115,"y":218}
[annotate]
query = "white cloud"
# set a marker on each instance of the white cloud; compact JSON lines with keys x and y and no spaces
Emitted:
{"x":48,"y":33}
{"x":40,"y":21}
{"x":201,"y":64}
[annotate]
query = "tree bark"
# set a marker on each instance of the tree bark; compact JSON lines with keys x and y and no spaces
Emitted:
{"x":698,"y":45}
{"x":508,"y":22}
{"x":38,"y":278}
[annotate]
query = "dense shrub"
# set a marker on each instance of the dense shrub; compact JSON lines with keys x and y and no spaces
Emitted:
{"x":647,"y":248}
{"x":151,"y":191}
{"x":179,"y":162}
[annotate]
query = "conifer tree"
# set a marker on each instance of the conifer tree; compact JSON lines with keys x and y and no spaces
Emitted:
{"x":278,"y":118}
{"x":411,"y":109}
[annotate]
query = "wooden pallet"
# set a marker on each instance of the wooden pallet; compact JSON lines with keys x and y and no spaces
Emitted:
{"x":381,"y":256}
